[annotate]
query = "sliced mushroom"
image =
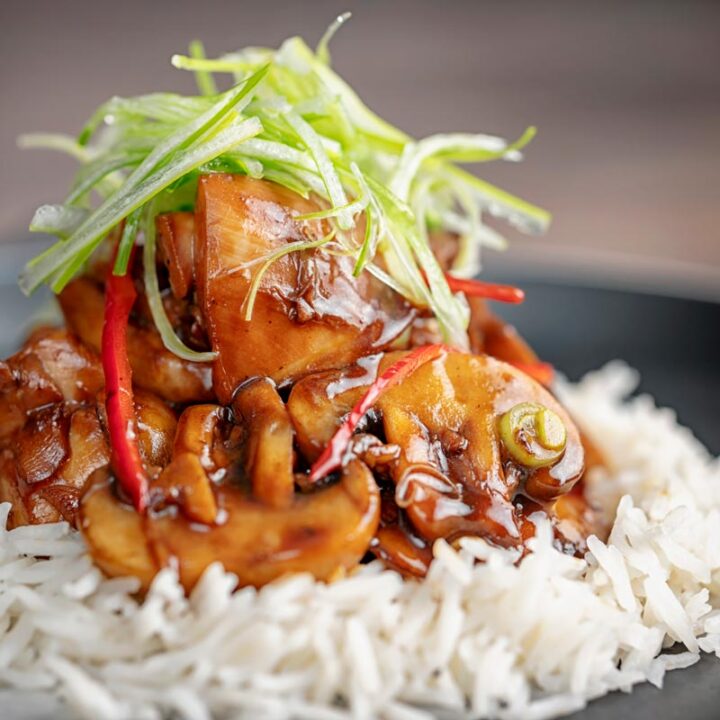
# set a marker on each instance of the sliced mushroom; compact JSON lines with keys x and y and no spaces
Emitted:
{"x":233,"y":486}
{"x":268,"y":442}
{"x":156,"y":426}
{"x":320,"y":533}
{"x":51,"y":367}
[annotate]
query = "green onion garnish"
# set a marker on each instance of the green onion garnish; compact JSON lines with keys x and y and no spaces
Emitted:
{"x":289,"y":118}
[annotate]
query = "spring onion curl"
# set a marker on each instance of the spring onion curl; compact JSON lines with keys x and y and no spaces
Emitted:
{"x":60,"y":220}
{"x":272,"y":257}
{"x":290,"y":119}
{"x":189,"y":147}
{"x":152,"y":288}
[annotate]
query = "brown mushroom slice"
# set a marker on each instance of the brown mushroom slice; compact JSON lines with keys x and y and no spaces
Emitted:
{"x":115,"y":533}
{"x":156,"y":426}
{"x":88,"y":452}
{"x":318,"y":400}
{"x":196,"y":434}
{"x":395,"y":542}
{"x":310,"y":312}
{"x":320,"y":533}
{"x":268,"y":443}
{"x":51,"y":367}
{"x":154,"y":367}
{"x":185,"y":483}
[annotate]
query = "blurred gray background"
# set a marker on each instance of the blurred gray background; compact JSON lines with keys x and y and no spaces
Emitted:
{"x":626,"y":96}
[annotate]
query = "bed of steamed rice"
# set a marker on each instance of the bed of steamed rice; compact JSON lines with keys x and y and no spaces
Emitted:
{"x":487,"y":639}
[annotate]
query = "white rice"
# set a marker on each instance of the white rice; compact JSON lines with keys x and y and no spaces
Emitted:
{"x":490,"y":639}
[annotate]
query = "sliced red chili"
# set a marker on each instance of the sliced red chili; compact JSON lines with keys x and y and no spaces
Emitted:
{"x":127,"y":464}
{"x":543,"y":372}
{"x":489,"y":291}
{"x":332,"y":456}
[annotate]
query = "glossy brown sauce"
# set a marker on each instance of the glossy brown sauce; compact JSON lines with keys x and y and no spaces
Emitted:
{"x":228,"y":452}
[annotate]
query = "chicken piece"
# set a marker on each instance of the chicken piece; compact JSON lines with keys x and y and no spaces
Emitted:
{"x":454,"y":475}
{"x":57,"y":450}
{"x":310,"y":312}
{"x":88,"y":451}
{"x":49,"y":430}
{"x":154,"y":367}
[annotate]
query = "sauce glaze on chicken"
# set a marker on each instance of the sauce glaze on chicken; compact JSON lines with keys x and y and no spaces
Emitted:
{"x":228,"y":445}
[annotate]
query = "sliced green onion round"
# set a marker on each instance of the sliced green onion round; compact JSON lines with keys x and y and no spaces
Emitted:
{"x":533,"y":435}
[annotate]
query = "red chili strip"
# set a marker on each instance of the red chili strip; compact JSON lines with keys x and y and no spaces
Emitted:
{"x":489,"y":291}
{"x":543,"y":372}
{"x":332,"y":456}
{"x":127,"y":464}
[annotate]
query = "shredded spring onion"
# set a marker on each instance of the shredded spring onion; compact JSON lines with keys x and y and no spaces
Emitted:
{"x":289,"y":118}
{"x":272,"y":257}
{"x":60,"y":220}
{"x":171,"y":341}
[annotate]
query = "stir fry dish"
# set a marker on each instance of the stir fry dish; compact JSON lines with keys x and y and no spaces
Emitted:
{"x":274,"y":353}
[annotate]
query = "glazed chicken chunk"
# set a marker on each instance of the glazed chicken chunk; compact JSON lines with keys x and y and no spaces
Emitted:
{"x":467,"y":444}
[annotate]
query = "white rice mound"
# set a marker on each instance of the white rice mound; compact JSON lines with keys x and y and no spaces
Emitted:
{"x":485,"y":640}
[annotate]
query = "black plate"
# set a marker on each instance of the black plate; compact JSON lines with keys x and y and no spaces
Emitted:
{"x":674,"y":344}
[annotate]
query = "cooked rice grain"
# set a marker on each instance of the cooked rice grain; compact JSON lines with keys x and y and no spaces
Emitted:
{"x":490,"y":639}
